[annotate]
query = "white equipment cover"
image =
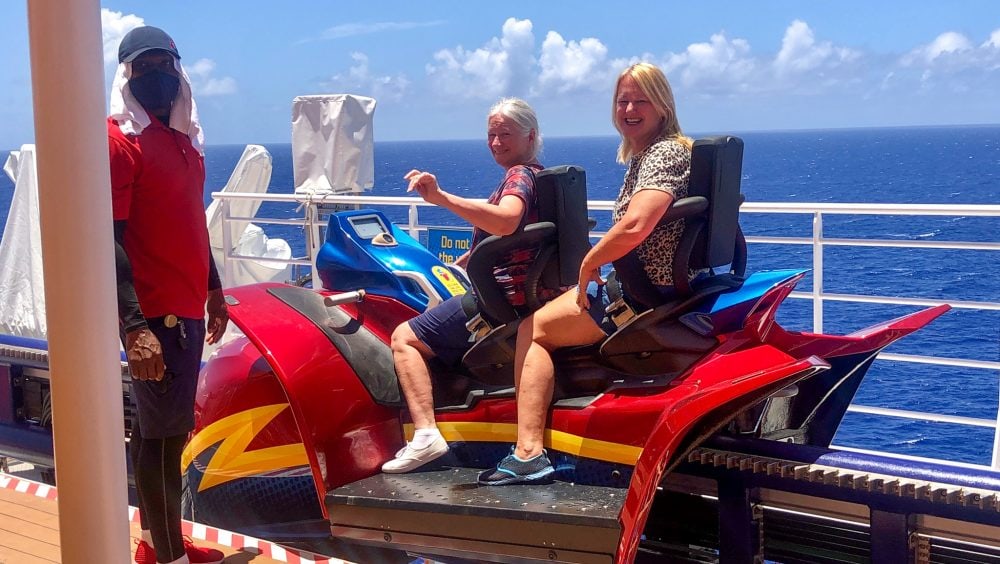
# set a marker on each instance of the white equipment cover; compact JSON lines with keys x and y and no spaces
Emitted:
{"x":22,"y":289}
{"x":333,"y":144}
{"x":251,"y":175}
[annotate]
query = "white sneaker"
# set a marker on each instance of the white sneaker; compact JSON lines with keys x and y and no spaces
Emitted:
{"x":409,"y":458}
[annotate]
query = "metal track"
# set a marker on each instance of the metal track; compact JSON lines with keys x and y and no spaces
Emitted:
{"x":921,"y":490}
{"x":35,"y":358}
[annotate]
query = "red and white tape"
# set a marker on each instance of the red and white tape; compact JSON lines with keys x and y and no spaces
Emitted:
{"x":196,"y":531}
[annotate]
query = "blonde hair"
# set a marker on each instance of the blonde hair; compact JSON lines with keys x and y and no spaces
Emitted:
{"x":654,"y":85}
{"x":523,"y":115}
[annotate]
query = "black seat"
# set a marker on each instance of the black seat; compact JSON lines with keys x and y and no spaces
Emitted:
{"x":654,"y":337}
{"x":562,"y":238}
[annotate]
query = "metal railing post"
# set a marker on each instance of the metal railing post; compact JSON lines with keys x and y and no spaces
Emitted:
{"x":227,"y":246}
{"x":995,"y":461}
{"x":817,"y":236}
{"x":414,"y":222}
{"x":312,"y":230}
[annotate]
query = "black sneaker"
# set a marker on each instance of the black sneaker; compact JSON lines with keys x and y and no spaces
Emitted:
{"x":511,"y":470}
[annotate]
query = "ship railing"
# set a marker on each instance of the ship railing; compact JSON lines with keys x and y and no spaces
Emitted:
{"x":312,"y":212}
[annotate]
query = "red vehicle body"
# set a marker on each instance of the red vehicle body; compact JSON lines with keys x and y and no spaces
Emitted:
{"x":295,"y":418}
{"x":284,"y":420}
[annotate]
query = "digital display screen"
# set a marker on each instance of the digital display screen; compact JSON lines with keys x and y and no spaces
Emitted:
{"x":368,"y":226}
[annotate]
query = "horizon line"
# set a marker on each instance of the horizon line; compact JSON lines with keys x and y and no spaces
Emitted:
{"x":611,"y":135}
{"x":694,"y":134}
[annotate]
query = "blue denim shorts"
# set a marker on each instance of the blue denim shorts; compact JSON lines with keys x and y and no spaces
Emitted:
{"x":442,"y":329}
{"x":599,"y":302}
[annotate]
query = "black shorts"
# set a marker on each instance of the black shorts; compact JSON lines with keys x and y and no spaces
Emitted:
{"x":166,"y":408}
{"x":442,"y":329}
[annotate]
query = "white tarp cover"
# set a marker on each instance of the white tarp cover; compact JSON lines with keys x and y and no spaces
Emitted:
{"x":333,"y":143}
{"x":252,"y":175}
{"x":22,"y":290}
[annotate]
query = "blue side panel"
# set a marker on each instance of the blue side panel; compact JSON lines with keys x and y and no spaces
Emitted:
{"x":31,"y":343}
{"x":350,"y":260}
{"x":25,"y":342}
{"x":753,"y":288}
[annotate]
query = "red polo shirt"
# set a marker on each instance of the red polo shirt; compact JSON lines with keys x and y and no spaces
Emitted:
{"x":157,"y":183}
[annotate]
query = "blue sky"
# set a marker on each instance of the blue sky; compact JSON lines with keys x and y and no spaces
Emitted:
{"x":436,"y":67}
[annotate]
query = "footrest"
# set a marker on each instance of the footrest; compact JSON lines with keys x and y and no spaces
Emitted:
{"x":446,"y":513}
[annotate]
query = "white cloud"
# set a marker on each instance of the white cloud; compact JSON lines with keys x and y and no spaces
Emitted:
{"x":204,"y":83}
{"x":953,"y":63}
{"x":571,"y":70}
{"x":994,"y":40}
{"x":503,"y":66}
{"x":718,"y":66}
{"x":568,"y":65}
{"x":360,"y":80}
{"x":948,"y":43}
{"x":360,"y":28}
{"x":114,"y":26}
{"x":801,"y":53}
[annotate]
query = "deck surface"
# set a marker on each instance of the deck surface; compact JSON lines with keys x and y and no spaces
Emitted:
{"x":29,"y":531}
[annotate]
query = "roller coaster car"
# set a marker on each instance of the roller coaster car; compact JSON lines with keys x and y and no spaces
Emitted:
{"x":295,"y":418}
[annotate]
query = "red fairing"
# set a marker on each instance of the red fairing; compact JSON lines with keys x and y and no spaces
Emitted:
{"x":333,"y":410}
{"x":870,"y":339}
{"x":707,"y":389}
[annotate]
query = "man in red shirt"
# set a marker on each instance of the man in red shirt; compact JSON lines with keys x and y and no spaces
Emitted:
{"x":166,"y":276}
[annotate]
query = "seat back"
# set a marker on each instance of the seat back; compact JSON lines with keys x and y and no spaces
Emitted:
{"x":561,"y":236}
{"x":711,"y":230}
{"x":562,"y":199}
{"x":716,"y":170}
{"x":658,"y":339}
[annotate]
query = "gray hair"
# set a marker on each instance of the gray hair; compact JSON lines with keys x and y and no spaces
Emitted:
{"x":523,"y":115}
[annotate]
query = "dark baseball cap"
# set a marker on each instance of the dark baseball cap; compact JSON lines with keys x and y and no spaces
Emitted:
{"x":142,"y":39}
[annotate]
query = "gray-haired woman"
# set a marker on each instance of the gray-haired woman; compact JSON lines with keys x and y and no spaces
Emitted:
{"x":514,"y":140}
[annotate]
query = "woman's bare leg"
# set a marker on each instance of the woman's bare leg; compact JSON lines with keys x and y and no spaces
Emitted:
{"x":560,"y":323}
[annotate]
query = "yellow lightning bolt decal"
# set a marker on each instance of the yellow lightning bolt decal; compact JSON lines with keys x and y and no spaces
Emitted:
{"x":231,"y":460}
{"x":472,"y":431}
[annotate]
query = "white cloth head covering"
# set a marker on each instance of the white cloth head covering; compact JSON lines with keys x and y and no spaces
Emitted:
{"x":132,"y":117}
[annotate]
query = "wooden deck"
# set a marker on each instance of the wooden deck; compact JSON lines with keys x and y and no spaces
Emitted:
{"x":29,"y":531}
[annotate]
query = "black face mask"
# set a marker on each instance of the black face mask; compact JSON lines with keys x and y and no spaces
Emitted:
{"x":155,"y":90}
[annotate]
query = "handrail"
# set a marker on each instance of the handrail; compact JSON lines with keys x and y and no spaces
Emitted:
{"x":313,"y":206}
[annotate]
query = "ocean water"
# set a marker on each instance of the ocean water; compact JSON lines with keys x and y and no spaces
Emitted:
{"x":941,"y":165}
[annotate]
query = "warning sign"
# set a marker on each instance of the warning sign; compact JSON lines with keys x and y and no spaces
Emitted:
{"x":449,"y":280}
{"x":448,"y":244}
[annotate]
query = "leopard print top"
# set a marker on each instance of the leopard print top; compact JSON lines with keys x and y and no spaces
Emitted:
{"x":664,"y":165}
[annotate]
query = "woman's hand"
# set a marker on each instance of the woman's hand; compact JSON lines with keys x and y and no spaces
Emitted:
{"x":425,"y":184}
{"x":586,"y":277}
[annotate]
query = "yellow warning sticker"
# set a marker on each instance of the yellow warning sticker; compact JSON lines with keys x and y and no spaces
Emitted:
{"x":449,"y":280}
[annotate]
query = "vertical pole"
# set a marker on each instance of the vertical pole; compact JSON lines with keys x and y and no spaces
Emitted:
{"x":228,"y":264}
{"x":995,"y":463}
{"x":739,"y":533}
{"x":315,"y":242}
{"x":890,"y":537}
{"x":817,"y":272}
{"x":414,"y":221}
{"x":74,"y":194}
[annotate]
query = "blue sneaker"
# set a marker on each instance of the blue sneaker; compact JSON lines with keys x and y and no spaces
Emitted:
{"x":513,"y":470}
